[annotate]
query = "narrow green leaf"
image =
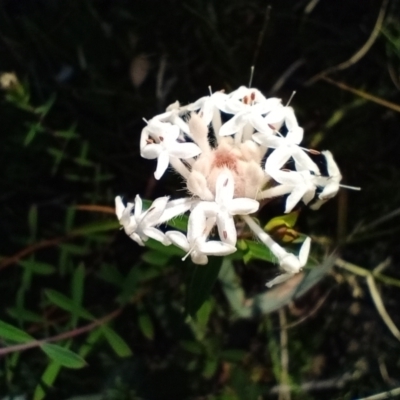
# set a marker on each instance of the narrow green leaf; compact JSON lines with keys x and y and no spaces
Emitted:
{"x":111,"y":275}
{"x":101,"y":226}
{"x":155,"y":258}
{"x":63,"y":356}
{"x":167,"y":250}
{"x":67,"y":304}
{"x":201,"y":279}
{"x":116,"y":342}
{"x":45,"y":108}
{"x":258,"y":251}
{"x":10,"y":332}
{"x":77,"y":250}
{"x":203,"y":314}
{"x":90,"y":341}
{"x":33,"y":130}
{"x":77,"y":284}
{"x":48,"y":377}
{"x":36,"y":267}
{"x":24,"y":315}
{"x":146,"y":325}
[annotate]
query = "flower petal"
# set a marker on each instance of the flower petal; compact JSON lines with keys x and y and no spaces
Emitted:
{"x":216,"y":248}
{"x":178,"y":239}
{"x":224,"y":187}
{"x":162,"y":164}
{"x":151,"y":151}
{"x":157,"y":235}
{"x":153,"y":214}
{"x":184,"y":150}
{"x":294,"y":198}
{"x":138,"y":207}
{"x":119,"y":207}
{"x":243,"y":206}
{"x":226,"y":228}
{"x":304,"y":251}
{"x":233,"y":125}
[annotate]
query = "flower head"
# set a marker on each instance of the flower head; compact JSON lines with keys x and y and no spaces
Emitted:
{"x":234,"y":152}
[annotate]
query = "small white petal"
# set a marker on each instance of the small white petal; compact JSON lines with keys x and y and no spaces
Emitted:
{"x":162,"y":164}
{"x":304,"y":251}
{"x":295,"y":135}
{"x":290,"y":263}
{"x":224,"y":188}
{"x":138,"y":206}
{"x":198,"y":258}
{"x":156,"y":234}
{"x":226,"y":228}
{"x":294,"y":198}
{"x":152,"y":215}
{"x":178,"y":239}
{"x":134,"y":236}
{"x":119,"y":207}
{"x":184,"y":150}
{"x":216,"y":248}
{"x":151,"y":151}
{"x":233,"y":125}
{"x":243,"y":206}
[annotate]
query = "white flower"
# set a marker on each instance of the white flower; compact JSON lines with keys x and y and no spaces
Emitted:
{"x":227,"y":207}
{"x":141,"y":225}
{"x":159,"y":140}
{"x":208,"y":105}
{"x":248,"y":106}
{"x":195,"y":243}
{"x":300,"y":185}
{"x":290,"y":263}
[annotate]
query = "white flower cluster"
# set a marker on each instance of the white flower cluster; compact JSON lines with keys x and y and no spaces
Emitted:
{"x":219,"y":145}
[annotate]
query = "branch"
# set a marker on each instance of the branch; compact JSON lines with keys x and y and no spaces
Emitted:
{"x":61,"y":336}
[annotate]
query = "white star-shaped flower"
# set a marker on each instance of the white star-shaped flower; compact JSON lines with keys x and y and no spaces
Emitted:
{"x":159,"y":140}
{"x":227,"y":206}
{"x":141,"y":225}
{"x":248,"y":107}
{"x":208,"y":105}
{"x":195,"y":243}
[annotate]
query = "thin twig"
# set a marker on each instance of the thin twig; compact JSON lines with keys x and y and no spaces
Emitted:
{"x":61,"y":336}
{"x":284,"y":392}
{"x":261,"y":35}
{"x":376,"y":297}
{"x":365,"y":95}
{"x":384,"y":395}
{"x":95,"y":208}
{"x":359,"y":53}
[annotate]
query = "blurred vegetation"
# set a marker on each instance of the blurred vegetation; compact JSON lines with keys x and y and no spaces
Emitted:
{"x":85,"y":311}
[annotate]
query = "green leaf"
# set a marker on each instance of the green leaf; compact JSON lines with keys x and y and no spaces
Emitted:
{"x":201,"y":279}
{"x":33,"y":130}
{"x":204,"y":312}
{"x":49,"y":376}
{"x":24,"y":315}
{"x":63,"y":356}
{"x":167,"y":250}
{"x":258,"y":251}
{"x":77,"y":284}
{"x":90,"y":341}
{"x":116,"y":342}
{"x":45,"y":108}
{"x":111,"y":275}
{"x":101,"y":226}
{"x":180,"y":223}
{"x":14,"y":334}
{"x":36,"y":267}
{"x":156,"y":258}
{"x":67,"y":304}
{"x":146,"y":325}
